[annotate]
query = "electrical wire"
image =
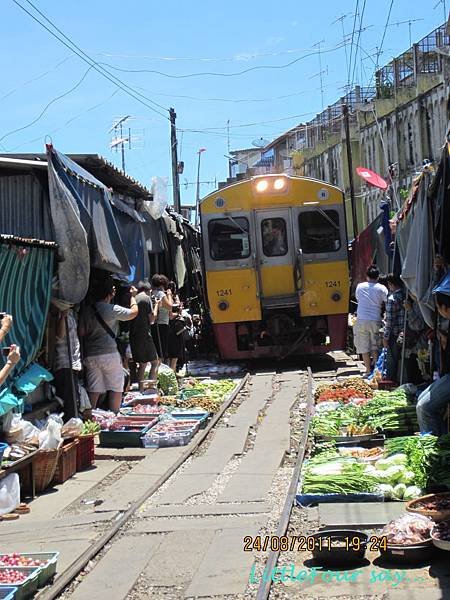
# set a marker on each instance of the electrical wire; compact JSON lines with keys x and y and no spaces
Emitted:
{"x":90,"y":61}
{"x":44,"y":110}
{"x":36,"y":78}
{"x":384,"y":32}
{"x":213,"y":74}
{"x":351,"y":43}
{"x":357,"y":43}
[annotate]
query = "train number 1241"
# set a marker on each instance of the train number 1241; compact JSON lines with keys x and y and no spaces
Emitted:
{"x":332,"y":284}
{"x":223,"y":293}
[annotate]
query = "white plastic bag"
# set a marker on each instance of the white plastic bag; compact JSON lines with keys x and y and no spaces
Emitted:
{"x":19,"y":430}
{"x":158,"y":205}
{"x":9,"y":493}
{"x":72,"y":428}
{"x":85,"y":403}
{"x":50,"y":438}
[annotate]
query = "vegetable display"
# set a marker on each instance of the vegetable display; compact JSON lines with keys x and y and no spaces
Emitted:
{"x":344,"y":391}
{"x":90,"y":428}
{"x":167,"y":381}
{"x":427,"y":456}
{"x":386,"y":411}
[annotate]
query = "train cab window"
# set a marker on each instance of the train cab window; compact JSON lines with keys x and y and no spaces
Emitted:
{"x":229,"y":238}
{"x":319,"y":231}
{"x":274,"y":237}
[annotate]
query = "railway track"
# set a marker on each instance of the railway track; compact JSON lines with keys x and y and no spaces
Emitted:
{"x":228,"y":504}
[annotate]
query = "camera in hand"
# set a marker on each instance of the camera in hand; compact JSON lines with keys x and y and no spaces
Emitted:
{"x":2,"y":314}
{"x":6,"y":350}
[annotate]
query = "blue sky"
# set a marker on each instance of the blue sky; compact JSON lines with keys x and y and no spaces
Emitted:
{"x":183,"y":38}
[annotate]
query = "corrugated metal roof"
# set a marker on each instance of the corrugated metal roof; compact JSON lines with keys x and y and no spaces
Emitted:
{"x":25,"y":208}
{"x":104,"y":170}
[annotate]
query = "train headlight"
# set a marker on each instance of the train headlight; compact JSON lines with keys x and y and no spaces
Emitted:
{"x":279,"y":184}
{"x":262,"y":186}
{"x":223,"y":305}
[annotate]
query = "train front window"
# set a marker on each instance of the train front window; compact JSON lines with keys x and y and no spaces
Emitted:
{"x":319,"y":231}
{"x":229,"y":238}
{"x":274,"y":237}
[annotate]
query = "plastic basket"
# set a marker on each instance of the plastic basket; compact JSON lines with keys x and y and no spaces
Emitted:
{"x":28,"y":587}
{"x":46,"y":571}
{"x":128,"y":437}
{"x":45,"y":463}
{"x":163,"y":440}
{"x":7,"y":593}
{"x":85,"y":451}
{"x":67,"y":462}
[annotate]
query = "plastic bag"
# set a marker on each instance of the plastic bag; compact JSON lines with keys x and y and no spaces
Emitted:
{"x":72,"y":428}
{"x":9,"y":493}
{"x":85,"y":403}
{"x":50,"y":438}
{"x":158,"y":205}
{"x":408,"y":529}
{"x":19,"y":430}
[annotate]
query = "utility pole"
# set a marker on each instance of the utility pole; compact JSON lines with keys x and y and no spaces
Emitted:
{"x":175,"y":174}
{"x":197,"y":195}
{"x":350,"y":168}
{"x":228,"y":148}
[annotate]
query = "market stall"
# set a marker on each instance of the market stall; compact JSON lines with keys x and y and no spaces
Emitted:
{"x":364,"y":446}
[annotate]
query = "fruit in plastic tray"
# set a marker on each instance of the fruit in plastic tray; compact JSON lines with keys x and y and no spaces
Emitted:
{"x":12,"y":576}
{"x":16,"y":560}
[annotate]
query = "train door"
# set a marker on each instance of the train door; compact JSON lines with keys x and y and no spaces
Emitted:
{"x":322,"y":262}
{"x":275,"y":256}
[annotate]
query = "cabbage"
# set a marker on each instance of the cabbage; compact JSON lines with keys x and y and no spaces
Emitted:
{"x":394,"y":473}
{"x":167,"y":381}
{"x":399,"y":491}
{"x":412,"y":492}
{"x":395,"y":459}
{"x":407,"y":477}
{"x":385,"y":489}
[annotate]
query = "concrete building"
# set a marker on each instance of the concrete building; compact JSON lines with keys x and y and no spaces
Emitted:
{"x":394,"y":127}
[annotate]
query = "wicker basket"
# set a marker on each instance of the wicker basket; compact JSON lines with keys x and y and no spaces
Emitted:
{"x":85,"y":451}
{"x":437,"y":515}
{"x":45,"y":463}
{"x":67,"y":462}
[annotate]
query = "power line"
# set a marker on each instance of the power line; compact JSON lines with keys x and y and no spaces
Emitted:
{"x":44,"y":110}
{"x":90,"y":61}
{"x":214,"y":74}
{"x":384,"y":32}
{"x":357,"y":43}
{"x":351,"y":43}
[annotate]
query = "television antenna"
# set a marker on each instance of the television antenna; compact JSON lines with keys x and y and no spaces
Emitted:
{"x":409,"y":23}
{"x":122,"y":137}
{"x":444,"y":3}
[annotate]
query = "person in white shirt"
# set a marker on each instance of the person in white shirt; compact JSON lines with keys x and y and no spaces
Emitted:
{"x":370,"y":296}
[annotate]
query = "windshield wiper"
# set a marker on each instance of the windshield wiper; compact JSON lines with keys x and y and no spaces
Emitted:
{"x":237,"y":224}
{"x":325,"y":216}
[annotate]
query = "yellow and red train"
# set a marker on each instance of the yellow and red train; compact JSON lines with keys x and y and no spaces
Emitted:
{"x":276,"y":266}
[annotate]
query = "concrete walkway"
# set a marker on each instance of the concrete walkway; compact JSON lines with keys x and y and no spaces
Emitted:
{"x":196,"y":549}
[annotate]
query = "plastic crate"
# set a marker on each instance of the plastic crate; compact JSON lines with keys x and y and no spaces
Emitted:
{"x":67,"y":462}
{"x":85,"y":451}
{"x":47,"y":571}
{"x":29,"y":587}
{"x":201,"y":417}
{"x":128,"y":437}
{"x":163,"y":440}
{"x":7,"y":593}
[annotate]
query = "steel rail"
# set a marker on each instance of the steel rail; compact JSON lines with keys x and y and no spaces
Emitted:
{"x":77,"y":566}
{"x":266,"y":582}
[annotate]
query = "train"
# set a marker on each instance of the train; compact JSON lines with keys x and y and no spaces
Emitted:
{"x":276,"y":267}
